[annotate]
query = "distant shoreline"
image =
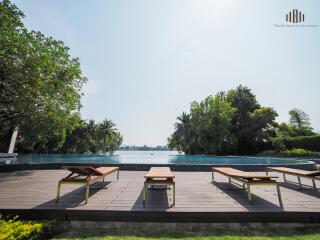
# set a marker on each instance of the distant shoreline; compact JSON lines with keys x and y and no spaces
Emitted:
{"x":143,"y":148}
{"x":164,"y":150}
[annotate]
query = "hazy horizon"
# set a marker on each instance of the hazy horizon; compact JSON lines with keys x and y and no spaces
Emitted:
{"x":146,"y":61}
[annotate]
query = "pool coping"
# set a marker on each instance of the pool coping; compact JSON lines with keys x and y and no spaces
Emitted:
{"x":309,"y":165}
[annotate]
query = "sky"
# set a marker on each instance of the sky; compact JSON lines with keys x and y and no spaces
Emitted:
{"x":147,"y":60}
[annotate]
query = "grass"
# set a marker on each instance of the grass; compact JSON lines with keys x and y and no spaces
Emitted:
{"x":244,"y":233}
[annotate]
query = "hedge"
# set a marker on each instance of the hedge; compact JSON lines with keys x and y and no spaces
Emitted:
{"x":311,"y":143}
{"x":299,"y":153}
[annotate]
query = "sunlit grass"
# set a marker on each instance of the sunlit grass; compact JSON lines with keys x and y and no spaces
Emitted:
{"x":246,"y":233}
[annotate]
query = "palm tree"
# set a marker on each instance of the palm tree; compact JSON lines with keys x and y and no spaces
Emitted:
{"x":183,"y":130}
{"x":106,"y":132}
{"x":90,"y":138}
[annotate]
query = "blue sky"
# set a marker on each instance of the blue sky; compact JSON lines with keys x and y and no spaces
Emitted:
{"x":147,"y":60}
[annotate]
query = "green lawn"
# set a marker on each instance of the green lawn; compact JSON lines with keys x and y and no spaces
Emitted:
{"x":246,"y":233}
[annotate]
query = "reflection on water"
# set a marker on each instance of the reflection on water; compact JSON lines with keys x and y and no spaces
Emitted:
{"x":148,"y":157}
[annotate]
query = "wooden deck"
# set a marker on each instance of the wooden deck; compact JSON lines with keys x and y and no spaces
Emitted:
{"x":32,"y":195}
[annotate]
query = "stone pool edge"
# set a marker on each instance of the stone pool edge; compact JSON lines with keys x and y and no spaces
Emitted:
{"x":145,"y":167}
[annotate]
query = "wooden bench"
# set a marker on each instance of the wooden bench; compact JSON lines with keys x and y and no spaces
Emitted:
{"x":159,"y":176}
{"x":313,"y":175}
{"x":86,"y":176}
{"x":247,"y":179}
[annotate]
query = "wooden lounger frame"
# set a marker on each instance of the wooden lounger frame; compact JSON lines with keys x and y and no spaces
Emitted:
{"x":248,"y":181}
{"x":89,"y":175}
{"x":298,"y":174}
{"x":163,"y":179}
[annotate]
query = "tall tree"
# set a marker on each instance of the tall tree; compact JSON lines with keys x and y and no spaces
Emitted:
{"x":92,"y":137}
{"x":206,"y":129}
{"x":262,"y":129}
{"x":40,"y":84}
{"x":245,"y":102}
{"x":227,"y":123}
{"x":300,"y":123}
{"x":106,"y":134}
{"x":212,"y":118}
{"x":183,"y":132}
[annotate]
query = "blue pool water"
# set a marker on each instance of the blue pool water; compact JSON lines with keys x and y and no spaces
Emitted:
{"x":149,"y":157}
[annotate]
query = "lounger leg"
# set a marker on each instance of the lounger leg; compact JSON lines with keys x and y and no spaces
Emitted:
{"x":314,"y":184}
{"x":118,"y":175}
{"x":284,"y":177}
{"x":267,"y":173}
{"x":102,"y":182}
{"x":299,"y":180}
{"x":87,"y":192}
{"x":229,"y":182}
{"x":243,"y":186}
{"x":212,"y":176}
{"x":249,"y":193}
{"x":279,"y":196}
{"x":174,"y":194}
{"x":144,"y":194}
{"x":58,"y":192}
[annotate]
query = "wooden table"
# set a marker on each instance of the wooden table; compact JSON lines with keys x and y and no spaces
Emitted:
{"x":159,"y":176}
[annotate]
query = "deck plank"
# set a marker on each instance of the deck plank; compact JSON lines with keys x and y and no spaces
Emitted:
{"x":194,"y":193}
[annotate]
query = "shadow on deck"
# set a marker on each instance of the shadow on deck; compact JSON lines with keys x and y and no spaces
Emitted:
{"x":31,"y":194}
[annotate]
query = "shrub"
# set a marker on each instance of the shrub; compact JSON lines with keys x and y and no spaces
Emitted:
{"x":300,"y":153}
{"x":268,"y":153}
{"x":16,"y":229}
{"x":311,"y":143}
{"x":297,"y":152}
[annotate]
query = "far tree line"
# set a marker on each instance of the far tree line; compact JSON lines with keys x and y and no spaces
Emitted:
{"x":143,"y":148}
{"x":234,"y":123}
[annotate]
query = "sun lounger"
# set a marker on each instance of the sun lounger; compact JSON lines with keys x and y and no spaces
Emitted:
{"x":247,"y":179}
{"x":158,"y":176}
{"x":313,"y":175}
{"x":86,"y":176}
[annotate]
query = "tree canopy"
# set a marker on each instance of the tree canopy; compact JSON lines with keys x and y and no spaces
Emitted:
{"x":40,"y":87}
{"x":230,"y":122}
{"x":299,"y":125}
{"x":91,"y":137}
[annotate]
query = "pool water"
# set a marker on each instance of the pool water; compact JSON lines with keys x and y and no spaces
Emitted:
{"x":149,"y":157}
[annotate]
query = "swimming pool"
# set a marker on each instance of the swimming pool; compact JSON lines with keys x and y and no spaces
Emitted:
{"x":150,"y":157}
